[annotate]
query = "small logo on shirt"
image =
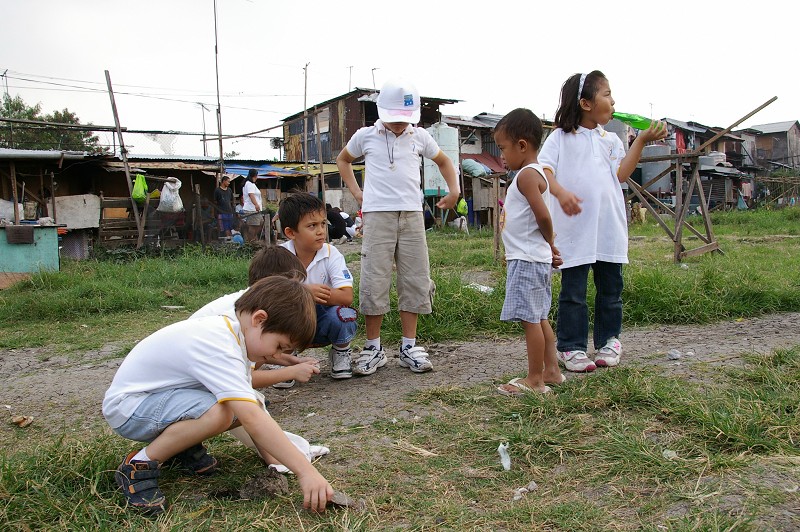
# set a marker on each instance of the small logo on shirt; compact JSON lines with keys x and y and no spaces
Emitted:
{"x":346,"y":273}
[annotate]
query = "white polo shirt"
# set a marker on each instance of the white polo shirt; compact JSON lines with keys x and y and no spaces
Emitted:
{"x":205,"y":354}
{"x":586,"y":163}
{"x":328,"y":267}
{"x":221,"y":305}
{"x":392,"y":166}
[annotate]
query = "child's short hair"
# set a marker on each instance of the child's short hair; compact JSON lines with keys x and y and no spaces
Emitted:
{"x":521,"y":124}
{"x":296,"y":205}
{"x":275,"y":260}
{"x":289,"y":305}
{"x":568,"y":115}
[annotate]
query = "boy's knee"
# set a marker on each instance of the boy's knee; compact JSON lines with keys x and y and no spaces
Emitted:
{"x":220,"y":417}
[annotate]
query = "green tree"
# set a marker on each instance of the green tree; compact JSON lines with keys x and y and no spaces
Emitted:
{"x":44,"y":137}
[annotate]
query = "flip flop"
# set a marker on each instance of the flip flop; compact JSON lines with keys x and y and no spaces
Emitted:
{"x":522,"y":387}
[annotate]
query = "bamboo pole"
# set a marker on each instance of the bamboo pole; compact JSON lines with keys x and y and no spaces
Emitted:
{"x":124,"y":153}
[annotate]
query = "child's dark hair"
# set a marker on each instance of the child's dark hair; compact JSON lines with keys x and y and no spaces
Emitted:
{"x":568,"y":116}
{"x":296,"y":205}
{"x":289,"y":305}
{"x":275,"y":260}
{"x":521,"y":124}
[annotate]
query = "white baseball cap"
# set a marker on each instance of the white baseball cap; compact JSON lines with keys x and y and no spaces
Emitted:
{"x":398,"y":101}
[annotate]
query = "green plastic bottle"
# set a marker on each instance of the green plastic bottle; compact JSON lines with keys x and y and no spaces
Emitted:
{"x":635,"y":121}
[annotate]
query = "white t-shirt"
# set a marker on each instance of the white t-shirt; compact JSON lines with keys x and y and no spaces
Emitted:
{"x":586,"y":163}
{"x":221,"y":305}
{"x":328,"y":267}
{"x":521,"y":235}
{"x":251,"y":188}
{"x":205,"y":354}
{"x":387,"y":189}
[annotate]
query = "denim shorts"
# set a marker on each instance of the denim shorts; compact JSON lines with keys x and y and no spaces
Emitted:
{"x":160,"y":410}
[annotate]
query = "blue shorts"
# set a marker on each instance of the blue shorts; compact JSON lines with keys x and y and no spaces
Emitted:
{"x":160,"y":410}
{"x":225,"y":221}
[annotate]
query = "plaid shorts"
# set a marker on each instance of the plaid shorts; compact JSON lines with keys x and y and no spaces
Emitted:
{"x":528,"y":291}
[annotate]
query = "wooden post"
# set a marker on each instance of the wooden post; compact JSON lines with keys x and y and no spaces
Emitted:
{"x":53,"y":193}
{"x":14,"y":191}
{"x":124,"y":153}
{"x":495,"y":201}
{"x":319,"y":154}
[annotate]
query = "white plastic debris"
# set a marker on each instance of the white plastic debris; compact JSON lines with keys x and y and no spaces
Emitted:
{"x":684,"y":266}
{"x":505,"y":459}
{"x":669,"y":455}
{"x":674,"y":354}
{"x":481,"y":288}
{"x":689,"y":353}
{"x":519,"y":493}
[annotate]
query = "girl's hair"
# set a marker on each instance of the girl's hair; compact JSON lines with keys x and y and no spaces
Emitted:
{"x":568,"y":116}
{"x":521,"y":124}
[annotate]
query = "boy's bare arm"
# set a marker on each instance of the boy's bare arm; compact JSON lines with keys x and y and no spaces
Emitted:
{"x":270,"y":440}
{"x":344,"y":162}
{"x":449,"y":173}
{"x":656,"y":131}
{"x":528,"y":183}
{"x":302,"y":372}
{"x":341,"y":296}
{"x":570,"y":203}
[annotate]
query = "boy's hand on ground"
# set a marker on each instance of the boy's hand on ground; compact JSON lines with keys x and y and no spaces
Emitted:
{"x":321,"y":292}
{"x":449,"y":201}
{"x":304,"y":371}
{"x":316,"y":491}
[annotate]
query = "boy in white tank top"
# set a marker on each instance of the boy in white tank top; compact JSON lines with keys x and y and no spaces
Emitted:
{"x":530,"y":253}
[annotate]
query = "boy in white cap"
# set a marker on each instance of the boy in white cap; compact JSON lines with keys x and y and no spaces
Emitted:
{"x":393,"y":223}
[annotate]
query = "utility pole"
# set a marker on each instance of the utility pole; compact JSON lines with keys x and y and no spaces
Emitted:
{"x":373,"y":77}
{"x":203,"y":110}
{"x":350,"y":79}
{"x":219,"y":106}
{"x":305,"y":115}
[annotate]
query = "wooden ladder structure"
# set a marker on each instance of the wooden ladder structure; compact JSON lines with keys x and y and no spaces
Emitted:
{"x":683,"y":195}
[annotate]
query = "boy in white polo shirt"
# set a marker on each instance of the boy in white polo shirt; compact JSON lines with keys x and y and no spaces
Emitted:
{"x":305,"y":222}
{"x":203,"y":388}
{"x":269,"y":260}
{"x":393,"y":223}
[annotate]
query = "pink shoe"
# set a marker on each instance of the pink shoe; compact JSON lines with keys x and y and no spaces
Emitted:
{"x":608,"y":356}
{"x":576,"y":361}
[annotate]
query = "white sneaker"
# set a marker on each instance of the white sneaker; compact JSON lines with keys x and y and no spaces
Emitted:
{"x":415,"y":358}
{"x":340,"y":363}
{"x":279,"y":385}
{"x":576,"y":361}
{"x":369,"y":360}
{"x":608,"y":356}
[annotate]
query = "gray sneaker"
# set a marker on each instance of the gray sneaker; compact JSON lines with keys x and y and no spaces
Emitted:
{"x":340,"y":363}
{"x":415,"y":358}
{"x":369,"y":360}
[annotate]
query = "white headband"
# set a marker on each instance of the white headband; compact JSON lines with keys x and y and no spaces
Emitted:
{"x":580,"y":87}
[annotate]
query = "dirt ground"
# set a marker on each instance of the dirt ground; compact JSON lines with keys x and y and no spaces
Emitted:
{"x":64,"y":393}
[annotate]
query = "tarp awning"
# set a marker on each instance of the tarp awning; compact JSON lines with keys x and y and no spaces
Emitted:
{"x":265,"y":171}
{"x":495,"y":164}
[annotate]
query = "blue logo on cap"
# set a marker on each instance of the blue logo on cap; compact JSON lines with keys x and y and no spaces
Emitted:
{"x":408,"y":100}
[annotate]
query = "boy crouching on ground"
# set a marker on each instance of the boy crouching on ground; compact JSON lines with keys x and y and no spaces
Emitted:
{"x":203,"y":388}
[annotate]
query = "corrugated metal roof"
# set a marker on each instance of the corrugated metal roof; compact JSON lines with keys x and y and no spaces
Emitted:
{"x":462,"y":121}
{"x":8,"y":153}
{"x":775,"y":127}
{"x":685,"y":125}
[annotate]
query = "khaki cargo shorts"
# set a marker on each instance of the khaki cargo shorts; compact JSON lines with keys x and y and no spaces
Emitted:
{"x":399,"y":237}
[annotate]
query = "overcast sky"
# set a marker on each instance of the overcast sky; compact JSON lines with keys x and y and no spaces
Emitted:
{"x":711,"y":62}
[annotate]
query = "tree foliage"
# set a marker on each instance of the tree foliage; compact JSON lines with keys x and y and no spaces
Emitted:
{"x":35,"y":137}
